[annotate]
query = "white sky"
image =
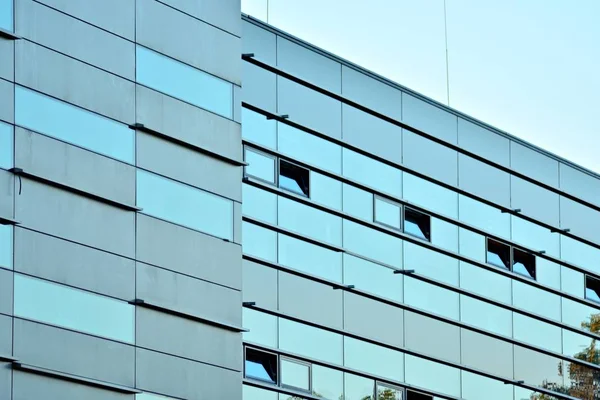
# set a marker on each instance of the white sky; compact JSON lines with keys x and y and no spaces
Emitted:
{"x":529,"y":67}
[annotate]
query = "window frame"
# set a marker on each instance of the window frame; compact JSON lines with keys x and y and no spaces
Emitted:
{"x":401,"y":389}
{"x":267,"y":155}
{"x":406,"y":208}
{"x":400,"y":206}
{"x":590,"y":277}
{"x":277,"y":367}
{"x":293,"y":164}
{"x":511,"y":260}
{"x":299,"y":362}
{"x":487,"y":250}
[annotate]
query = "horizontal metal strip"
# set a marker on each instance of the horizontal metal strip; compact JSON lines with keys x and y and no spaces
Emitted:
{"x":142,"y":128}
{"x":7,"y":358}
{"x":8,"y":221}
{"x":74,"y":378}
{"x":203,"y":320}
{"x":6,"y":34}
{"x":352,"y":289}
{"x":296,"y":394}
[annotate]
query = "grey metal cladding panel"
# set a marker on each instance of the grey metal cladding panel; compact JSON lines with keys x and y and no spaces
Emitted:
{"x":188,"y":295}
{"x":534,"y":164}
{"x":189,"y":339}
{"x":116,"y":16}
{"x":260,"y":42}
{"x":429,"y":158}
{"x":259,"y":284}
{"x":309,"y":108}
{"x":371,"y":134}
{"x":185,"y":379}
{"x":28,"y":386}
{"x":74,"y":81}
{"x":187,"y":123}
{"x":189,"y":166}
{"x":535,"y":201}
{"x":308,"y":65}
{"x":484,"y":180}
{"x":237,"y":223}
{"x":7,"y":101}
{"x":429,"y":118}
{"x":74,"y":217}
{"x":74,"y":265}
{"x":310,"y":300}
{"x":365,"y":316}
{"x":75,"y":38}
{"x":486,"y":354}
{"x":7,"y":182}
{"x":237,"y":103}
{"x":5,"y":335}
{"x":223,"y":13}
{"x":165,"y":29}
{"x":259,"y":87}
{"x":579,"y":184}
{"x":188,"y":252}
{"x":430,"y":336}
{"x":6,"y":383}
{"x":483,"y":142}
{"x":6,"y":292}
{"x":371,"y":93}
{"x":7,"y":59}
{"x":583,"y":221}
{"x":75,"y":167}
{"x":73,"y":353}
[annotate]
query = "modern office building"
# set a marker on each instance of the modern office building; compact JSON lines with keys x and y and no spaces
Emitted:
{"x":196,"y":205}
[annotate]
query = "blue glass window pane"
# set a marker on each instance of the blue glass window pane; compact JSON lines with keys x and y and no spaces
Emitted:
{"x":357,"y":388}
{"x":6,"y":15}
{"x":535,"y":300}
{"x":429,"y":195}
{"x":259,"y":204}
{"x":254,"y":393}
{"x":373,"y":359}
{"x":184,"y":82}
{"x":387,"y":213}
{"x":547,"y":272}
{"x":73,"y":308}
{"x":6,"y":146}
{"x":310,"y":342}
{"x":357,"y":202}
{"x":371,"y":277}
{"x":578,"y":315}
{"x":262,"y":328}
{"x":259,"y":242}
{"x":572,"y":281}
{"x":325,"y":190}
{"x":295,"y":374}
{"x":486,"y":283}
{"x":184,"y":205}
{"x":258,"y":129}
{"x":309,"y":221}
{"x":259,"y":165}
{"x":473,"y":386}
{"x":537,"y":333}
{"x":444,"y":234}
{"x":482,"y":216}
{"x":75,"y":125}
{"x":327,"y":383}
{"x":430,"y":263}
{"x":471,"y":244}
{"x":431,"y":298}
{"x":534,"y":236}
{"x":372,"y":173}
{"x":485,"y":316}
{"x":308,"y":148}
{"x":149,"y":396}
{"x":310,"y":258}
{"x":6,"y":246}
{"x":580,"y":254}
{"x":260,"y":365}
{"x":419,"y":372}
{"x":376,"y":245}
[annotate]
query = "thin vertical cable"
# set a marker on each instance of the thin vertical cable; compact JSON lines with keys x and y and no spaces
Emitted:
{"x":447,"y":68}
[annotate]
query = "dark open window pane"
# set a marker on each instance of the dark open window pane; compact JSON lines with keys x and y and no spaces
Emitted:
{"x":294,"y":178}
{"x":592,"y":289}
{"x":417,"y":224}
{"x":261,"y":365}
{"x":498,"y":254}
{"x":410,"y":395}
{"x":524,"y":263}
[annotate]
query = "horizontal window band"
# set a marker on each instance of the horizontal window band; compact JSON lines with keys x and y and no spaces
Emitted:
{"x":423,"y":134}
{"x":142,"y":128}
{"x":6,"y":34}
{"x":19,"y":172}
{"x":428,"y":178}
{"x":207,"y":321}
{"x":74,"y":378}
{"x":419,"y":311}
{"x":295,"y":394}
{"x":8,"y":221}
{"x":7,"y":358}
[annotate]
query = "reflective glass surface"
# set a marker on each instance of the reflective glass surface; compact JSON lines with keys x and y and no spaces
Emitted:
{"x":262,"y":327}
{"x":183,"y":82}
{"x":309,"y":221}
{"x":592,"y":289}
{"x":259,"y":242}
{"x":60,"y":305}
{"x":309,"y":148}
{"x":471,"y":244}
{"x":486,"y":283}
{"x":295,"y":374}
{"x":580,"y":254}
{"x":385,"y":392}
{"x":326,"y":191}
{"x":150,"y":396}
{"x":258,"y":129}
{"x":534,"y":237}
{"x":327,"y":383}
{"x":581,"y":347}
{"x":581,"y":381}
{"x":484,"y":217}
{"x":537,"y":333}
{"x":430,"y":298}
{"x":357,"y":202}
{"x":254,"y":393}
{"x":387,"y":213}
{"x":579,"y":315}
{"x":372,"y":277}
{"x":373,"y":359}
{"x":417,"y":224}
{"x":444,"y":234}
{"x":538,"y":369}
{"x":372,"y":173}
{"x":310,"y":258}
{"x":419,"y":372}
{"x":547,"y":272}
{"x":474,"y":387}
{"x":294,"y":178}
{"x":6,"y":146}
{"x":259,"y":204}
{"x":6,"y":14}
{"x":260,"y":165}
{"x":6,"y":246}
{"x":524,"y":263}
{"x":310,"y":342}
{"x":261,"y":365}
{"x":431,"y":263}
{"x":358,"y":388}
{"x":429,"y":195}
{"x":572,"y":281}
{"x":537,"y":301}
{"x":72,"y":124}
{"x":485,"y":316}
{"x":184,"y":205}
{"x":373,"y":244}
{"x":498,"y":254}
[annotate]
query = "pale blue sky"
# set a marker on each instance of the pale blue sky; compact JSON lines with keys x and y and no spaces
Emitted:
{"x":529,"y":67}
